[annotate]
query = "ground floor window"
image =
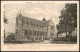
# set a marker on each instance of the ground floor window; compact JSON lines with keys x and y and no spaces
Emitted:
{"x":36,"y":38}
{"x":40,"y":38}
{"x":26,"y":32}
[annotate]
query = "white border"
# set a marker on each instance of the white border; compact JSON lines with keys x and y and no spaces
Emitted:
{"x":39,"y":47}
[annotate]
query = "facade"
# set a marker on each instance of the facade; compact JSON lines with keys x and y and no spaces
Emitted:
{"x":28,"y":29}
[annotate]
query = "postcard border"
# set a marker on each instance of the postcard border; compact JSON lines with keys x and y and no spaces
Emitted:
{"x":39,"y":0}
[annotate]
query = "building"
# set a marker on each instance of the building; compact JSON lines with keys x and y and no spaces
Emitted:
{"x":74,"y":32}
{"x":28,"y":29}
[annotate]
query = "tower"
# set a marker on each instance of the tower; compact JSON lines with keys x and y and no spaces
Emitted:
{"x":19,"y":27}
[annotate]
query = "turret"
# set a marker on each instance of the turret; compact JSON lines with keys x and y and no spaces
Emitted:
{"x":44,"y":19}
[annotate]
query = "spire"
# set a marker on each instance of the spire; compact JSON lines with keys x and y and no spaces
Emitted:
{"x":20,"y":12}
{"x":44,"y":19}
{"x":51,"y":18}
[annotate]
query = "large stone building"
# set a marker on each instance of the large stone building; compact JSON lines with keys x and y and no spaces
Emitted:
{"x":28,"y":29}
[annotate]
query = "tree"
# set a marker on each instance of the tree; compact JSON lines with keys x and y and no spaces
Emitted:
{"x":5,"y":20}
{"x":68,"y":19}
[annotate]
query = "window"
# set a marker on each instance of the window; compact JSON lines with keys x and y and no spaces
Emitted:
{"x":36,"y":38}
{"x":47,"y":29}
{"x":26,"y":32}
{"x":37,"y":32}
{"x":30,"y":32}
{"x":34,"y":32}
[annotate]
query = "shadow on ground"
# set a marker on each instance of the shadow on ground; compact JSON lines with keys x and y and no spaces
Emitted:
{"x":39,"y":42}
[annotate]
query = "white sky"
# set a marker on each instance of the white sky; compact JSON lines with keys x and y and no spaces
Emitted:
{"x":37,"y":10}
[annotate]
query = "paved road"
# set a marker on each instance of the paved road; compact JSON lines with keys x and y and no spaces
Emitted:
{"x":44,"y":42}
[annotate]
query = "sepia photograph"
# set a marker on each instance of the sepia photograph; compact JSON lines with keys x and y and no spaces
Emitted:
{"x":29,"y":25}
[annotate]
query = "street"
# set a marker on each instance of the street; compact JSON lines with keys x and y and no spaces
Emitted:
{"x":40,"y":42}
